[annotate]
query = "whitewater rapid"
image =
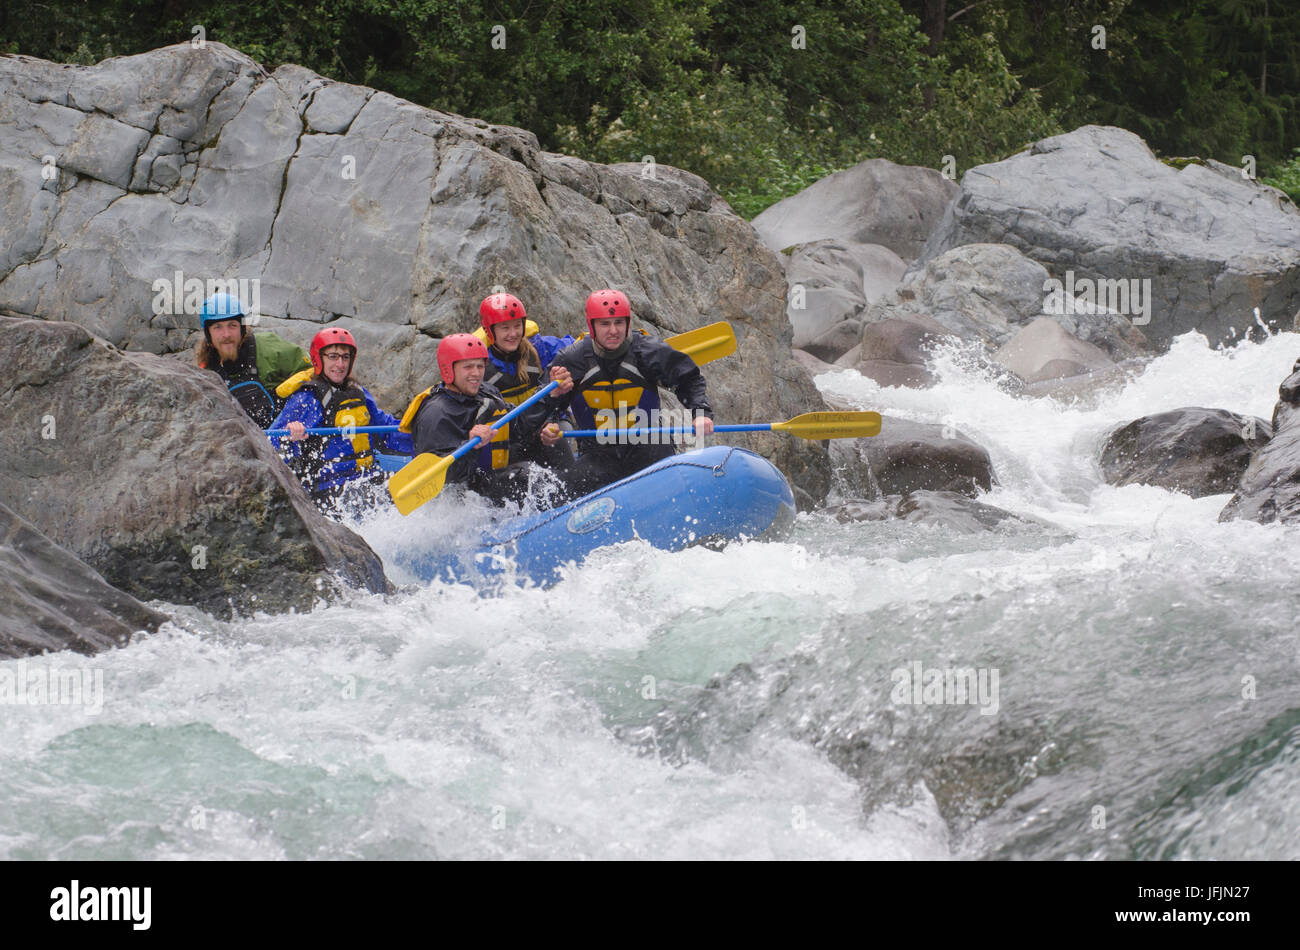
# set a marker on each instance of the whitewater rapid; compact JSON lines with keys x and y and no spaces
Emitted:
{"x":740,"y":703}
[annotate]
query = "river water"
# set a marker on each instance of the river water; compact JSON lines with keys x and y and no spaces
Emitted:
{"x":1139,"y":665}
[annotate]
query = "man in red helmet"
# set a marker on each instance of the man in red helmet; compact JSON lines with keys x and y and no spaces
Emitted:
{"x":462,"y":407}
{"x":327,"y":396}
{"x":618,"y":375}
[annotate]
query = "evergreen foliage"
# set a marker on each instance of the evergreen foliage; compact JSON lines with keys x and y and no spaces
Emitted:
{"x":766,"y":96}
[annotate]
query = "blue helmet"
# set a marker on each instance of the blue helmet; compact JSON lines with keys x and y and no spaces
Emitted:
{"x":220,"y":307}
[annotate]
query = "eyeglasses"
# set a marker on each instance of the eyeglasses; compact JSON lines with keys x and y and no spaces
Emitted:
{"x":336,"y":356}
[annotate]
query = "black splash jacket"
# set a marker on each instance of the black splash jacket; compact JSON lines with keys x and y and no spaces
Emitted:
{"x":442,"y":423}
{"x":623,"y":384}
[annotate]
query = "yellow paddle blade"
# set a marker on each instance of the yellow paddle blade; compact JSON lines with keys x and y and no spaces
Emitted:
{"x":705,"y":344}
{"x":831,"y":425}
{"x":419,"y":480}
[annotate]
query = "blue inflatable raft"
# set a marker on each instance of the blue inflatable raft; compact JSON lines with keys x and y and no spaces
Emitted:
{"x":705,"y":496}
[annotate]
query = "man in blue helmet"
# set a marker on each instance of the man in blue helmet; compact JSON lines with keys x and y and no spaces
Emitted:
{"x":250,"y":365}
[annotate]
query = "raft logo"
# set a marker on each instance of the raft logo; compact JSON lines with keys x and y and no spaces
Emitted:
{"x":183,"y":294}
{"x":919,"y":686}
{"x":1128,"y":296}
{"x":591,"y":516}
{"x":49,"y":686}
{"x":103,"y":903}
{"x":639,"y":427}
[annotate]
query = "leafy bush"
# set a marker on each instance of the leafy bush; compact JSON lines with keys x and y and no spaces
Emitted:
{"x":1287,"y":177}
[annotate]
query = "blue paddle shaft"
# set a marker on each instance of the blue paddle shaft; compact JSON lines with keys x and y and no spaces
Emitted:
{"x":674,"y":430}
{"x":469,"y":446}
{"x":336,"y":430}
{"x":365,"y":430}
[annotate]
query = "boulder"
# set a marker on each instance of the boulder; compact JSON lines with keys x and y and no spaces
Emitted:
{"x":812,"y":364}
{"x":339,"y":204}
{"x":837,"y":341}
{"x":1057,"y":369}
{"x":980,"y":292}
{"x":829,"y":282}
{"x":146,"y":469}
{"x":910,"y":456}
{"x":943,"y":508}
{"x":1233,"y":173}
{"x":1195,"y":451}
{"x":850,"y":359}
{"x":876,"y":202}
{"x":50,"y":601}
{"x":988,"y":292}
{"x":1269,"y":489}
{"x":895,"y":351}
{"x":1096,"y":204}
{"x":1044,"y":350}
{"x":1089,"y":386}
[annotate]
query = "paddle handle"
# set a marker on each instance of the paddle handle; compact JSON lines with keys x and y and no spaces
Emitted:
{"x":336,"y":430}
{"x":673,"y":430}
{"x":472,"y":443}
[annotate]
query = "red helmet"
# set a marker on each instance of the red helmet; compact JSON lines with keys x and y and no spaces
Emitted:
{"x":607,"y":304}
{"x":332,"y":336}
{"x":458,"y":346}
{"x":499,"y":308}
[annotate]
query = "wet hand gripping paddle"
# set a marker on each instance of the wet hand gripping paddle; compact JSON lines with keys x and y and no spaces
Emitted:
{"x":810,"y":425}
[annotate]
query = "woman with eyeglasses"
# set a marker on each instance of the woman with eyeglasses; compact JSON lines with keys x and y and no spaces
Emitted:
{"x":327,"y":396}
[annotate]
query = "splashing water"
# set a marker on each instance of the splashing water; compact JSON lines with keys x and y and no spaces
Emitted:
{"x":750,"y":703}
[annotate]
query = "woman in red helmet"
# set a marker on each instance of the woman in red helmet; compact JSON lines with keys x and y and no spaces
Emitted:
{"x":518,"y":359}
{"x":327,"y":396}
{"x":462,"y":407}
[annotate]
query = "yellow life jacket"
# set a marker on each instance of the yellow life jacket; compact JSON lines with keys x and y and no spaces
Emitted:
{"x":621,"y":394}
{"x":347,"y":405}
{"x":500,"y":444}
{"x":514,"y":389}
{"x":530,"y":329}
{"x":408,"y":417}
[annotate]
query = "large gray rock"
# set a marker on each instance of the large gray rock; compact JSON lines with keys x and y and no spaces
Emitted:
{"x":51,"y":601}
{"x":836,"y":341}
{"x":910,"y":456}
{"x":1097,"y":204}
{"x":1276,"y":197}
{"x":1269,"y":489}
{"x":830,"y":282}
{"x":896,"y":351}
{"x":876,"y":202}
{"x":351,"y":205}
{"x":147,"y":470}
{"x":1195,"y":451}
{"x":812,"y":364}
{"x":981,"y":292}
{"x":943,"y":508}
{"x":1044,"y":350}
{"x":988,"y":292}
{"x":1081,"y":389}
